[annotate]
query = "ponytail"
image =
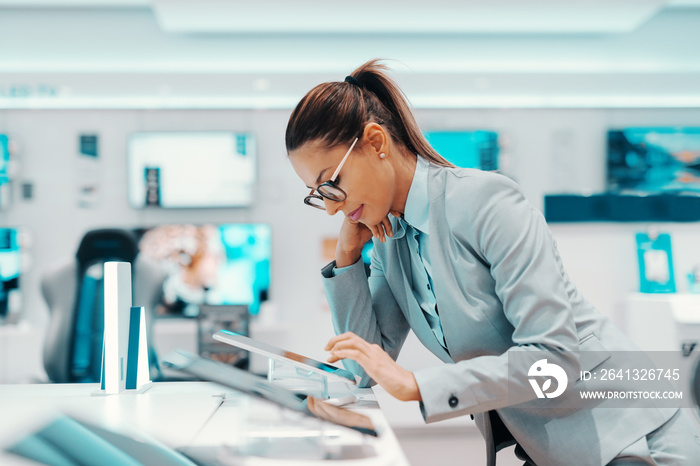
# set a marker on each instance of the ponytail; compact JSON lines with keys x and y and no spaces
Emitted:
{"x":337,"y":112}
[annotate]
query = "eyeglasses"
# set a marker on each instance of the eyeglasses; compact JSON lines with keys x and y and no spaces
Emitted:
{"x":329,"y":190}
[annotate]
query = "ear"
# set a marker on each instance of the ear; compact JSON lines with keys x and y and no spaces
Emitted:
{"x":377,"y":138}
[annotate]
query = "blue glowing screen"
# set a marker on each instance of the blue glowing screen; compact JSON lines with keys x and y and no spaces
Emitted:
{"x":4,"y":159}
{"x":467,"y":149}
{"x":210,"y":264}
{"x":655,"y":159}
{"x":10,"y":266}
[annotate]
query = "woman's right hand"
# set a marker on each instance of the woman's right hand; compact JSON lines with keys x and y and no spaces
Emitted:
{"x":354,"y":235}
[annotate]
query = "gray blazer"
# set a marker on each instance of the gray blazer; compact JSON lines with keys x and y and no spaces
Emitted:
{"x":501,"y":288}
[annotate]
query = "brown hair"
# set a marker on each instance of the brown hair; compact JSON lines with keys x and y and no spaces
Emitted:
{"x":337,"y":112}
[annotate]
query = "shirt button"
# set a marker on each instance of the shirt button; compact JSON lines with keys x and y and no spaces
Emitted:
{"x":428,"y":286}
{"x":453,"y":401}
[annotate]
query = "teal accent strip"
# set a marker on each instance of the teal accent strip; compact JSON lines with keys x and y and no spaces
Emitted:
{"x":82,"y":340}
{"x":102,"y":377}
{"x":132,"y":361}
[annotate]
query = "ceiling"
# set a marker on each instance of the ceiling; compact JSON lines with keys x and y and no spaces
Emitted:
{"x":385,"y":17}
{"x":267,"y":53}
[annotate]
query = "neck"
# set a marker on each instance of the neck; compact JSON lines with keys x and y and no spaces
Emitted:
{"x":405,"y":167}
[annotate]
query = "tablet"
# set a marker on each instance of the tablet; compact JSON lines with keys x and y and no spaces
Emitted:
{"x":253,"y":385}
{"x":288,"y":357}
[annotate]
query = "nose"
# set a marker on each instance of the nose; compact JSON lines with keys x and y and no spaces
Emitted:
{"x":332,"y":207}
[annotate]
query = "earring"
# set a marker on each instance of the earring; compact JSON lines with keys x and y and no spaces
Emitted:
{"x":382,"y":155}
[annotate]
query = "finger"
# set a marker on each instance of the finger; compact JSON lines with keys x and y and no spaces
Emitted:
{"x":349,"y":344}
{"x":380,"y":227}
{"x":380,"y":232}
{"x":337,"y":353}
{"x":358,"y":349}
{"x":351,"y":340}
{"x":337,"y":338}
{"x":387,"y":226}
{"x":333,"y":358}
{"x":358,"y":344}
{"x":341,"y":337}
{"x":357,"y":356}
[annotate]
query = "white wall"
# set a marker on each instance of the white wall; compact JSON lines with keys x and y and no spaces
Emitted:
{"x":56,"y":224}
{"x":599,"y":257}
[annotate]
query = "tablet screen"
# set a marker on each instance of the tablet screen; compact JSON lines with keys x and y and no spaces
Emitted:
{"x":279,"y":354}
{"x":250,"y":384}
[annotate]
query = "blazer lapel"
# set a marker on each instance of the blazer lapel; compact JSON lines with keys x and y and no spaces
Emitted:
{"x":445,"y":283}
{"x":415,"y":316}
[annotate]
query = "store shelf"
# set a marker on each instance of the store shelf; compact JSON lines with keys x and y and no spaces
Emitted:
{"x":613,"y":207}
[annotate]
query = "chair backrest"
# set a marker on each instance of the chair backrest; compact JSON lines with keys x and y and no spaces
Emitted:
{"x":74,"y":295}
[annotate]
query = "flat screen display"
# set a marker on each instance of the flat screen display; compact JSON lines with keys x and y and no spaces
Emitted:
{"x":180,"y":170}
{"x":210,"y":264}
{"x":467,"y":149}
{"x":213,"y":318}
{"x":4,"y":159}
{"x":10,"y":266}
{"x":654,"y":159}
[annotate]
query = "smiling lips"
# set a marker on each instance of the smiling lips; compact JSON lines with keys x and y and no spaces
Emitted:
{"x":355,"y":214}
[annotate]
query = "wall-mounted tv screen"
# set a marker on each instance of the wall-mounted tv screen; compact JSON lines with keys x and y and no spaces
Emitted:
{"x":467,"y":149}
{"x":655,"y":159}
{"x":191,"y":169}
{"x":4,"y":159}
{"x":209,"y":264}
{"x":4,"y":171}
{"x":10,"y":266}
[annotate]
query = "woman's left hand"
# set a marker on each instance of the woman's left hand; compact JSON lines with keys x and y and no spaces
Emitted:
{"x":377,"y":363}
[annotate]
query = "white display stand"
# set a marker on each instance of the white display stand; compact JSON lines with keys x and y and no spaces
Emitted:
{"x":662,"y":322}
{"x":297,"y":380}
{"x":668,"y":322}
{"x":125,"y":348}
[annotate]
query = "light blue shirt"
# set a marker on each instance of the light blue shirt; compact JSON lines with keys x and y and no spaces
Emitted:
{"x":415,"y":226}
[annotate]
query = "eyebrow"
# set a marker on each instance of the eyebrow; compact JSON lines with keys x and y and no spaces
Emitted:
{"x":320,"y":176}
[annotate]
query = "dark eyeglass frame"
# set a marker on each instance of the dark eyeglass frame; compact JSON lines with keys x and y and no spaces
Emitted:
{"x":310,"y":199}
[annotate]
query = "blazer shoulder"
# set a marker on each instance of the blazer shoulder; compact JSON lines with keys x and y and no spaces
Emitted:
{"x":469,"y":186}
{"x":476,"y":206}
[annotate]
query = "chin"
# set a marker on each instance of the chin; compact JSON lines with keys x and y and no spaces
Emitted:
{"x":372,"y":221}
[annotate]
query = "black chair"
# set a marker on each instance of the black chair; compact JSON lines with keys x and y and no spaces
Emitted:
{"x":74,"y":295}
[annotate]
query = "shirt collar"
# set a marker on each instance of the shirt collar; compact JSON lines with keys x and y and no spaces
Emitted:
{"x":416,"y":212}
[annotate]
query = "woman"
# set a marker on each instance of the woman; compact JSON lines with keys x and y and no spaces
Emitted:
{"x":464,"y":261}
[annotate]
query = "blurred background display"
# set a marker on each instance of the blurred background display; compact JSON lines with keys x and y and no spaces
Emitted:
{"x":654,"y":159}
{"x":10,"y":262}
{"x":4,"y":170}
{"x":213,"y":318}
{"x":4,"y":159}
{"x":210,"y":264}
{"x":184,"y":169}
{"x":467,"y":149}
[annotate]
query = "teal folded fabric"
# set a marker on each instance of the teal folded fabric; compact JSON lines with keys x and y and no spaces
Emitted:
{"x":38,"y":449}
{"x":66,"y":442}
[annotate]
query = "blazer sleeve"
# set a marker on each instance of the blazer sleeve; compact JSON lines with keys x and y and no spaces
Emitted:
{"x":513,"y":241}
{"x":366,"y":307}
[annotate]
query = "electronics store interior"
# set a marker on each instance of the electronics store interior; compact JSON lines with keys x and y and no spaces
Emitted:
{"x":373,"y":233}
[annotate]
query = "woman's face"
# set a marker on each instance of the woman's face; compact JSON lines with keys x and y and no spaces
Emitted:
{"x":366,"y":178}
